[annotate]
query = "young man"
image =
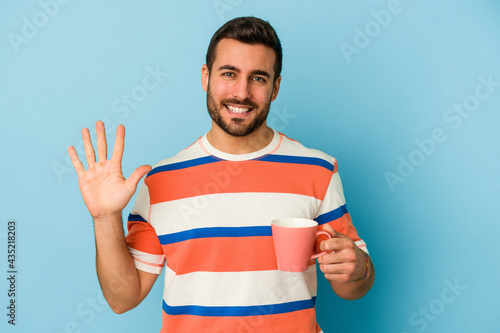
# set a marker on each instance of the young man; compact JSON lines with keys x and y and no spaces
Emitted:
{"x":206,"y":212}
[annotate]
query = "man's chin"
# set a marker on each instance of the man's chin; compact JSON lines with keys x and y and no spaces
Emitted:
{"x":238,"y":132}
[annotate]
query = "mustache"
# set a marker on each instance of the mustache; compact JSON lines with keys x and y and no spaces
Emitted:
{"x":246,"y":102}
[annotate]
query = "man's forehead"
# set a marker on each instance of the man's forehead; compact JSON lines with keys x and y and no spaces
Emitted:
{"x":229,"y":49}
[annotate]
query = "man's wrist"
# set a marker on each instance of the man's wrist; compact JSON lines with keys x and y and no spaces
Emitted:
{"x":367,"y":267}
{"x":108,"y":218}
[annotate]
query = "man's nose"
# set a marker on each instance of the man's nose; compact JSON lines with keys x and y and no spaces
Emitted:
{"x":241,"y":89}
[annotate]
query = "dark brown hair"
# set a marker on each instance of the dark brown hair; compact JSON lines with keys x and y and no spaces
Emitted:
{"x":248,"y":30}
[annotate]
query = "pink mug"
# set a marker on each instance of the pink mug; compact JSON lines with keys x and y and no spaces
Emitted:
{"x":294,"y":242}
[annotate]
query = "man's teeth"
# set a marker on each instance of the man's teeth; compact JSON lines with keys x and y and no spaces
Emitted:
{"x":237,"y":110}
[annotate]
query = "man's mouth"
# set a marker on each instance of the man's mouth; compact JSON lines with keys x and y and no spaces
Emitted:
{"x":238,"y":110}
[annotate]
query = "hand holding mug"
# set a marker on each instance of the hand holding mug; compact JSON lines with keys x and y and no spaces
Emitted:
{"x":344,"y":262}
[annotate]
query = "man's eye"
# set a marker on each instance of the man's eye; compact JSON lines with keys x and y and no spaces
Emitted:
{"x":259,"y":79}
{"x":228,"y":74}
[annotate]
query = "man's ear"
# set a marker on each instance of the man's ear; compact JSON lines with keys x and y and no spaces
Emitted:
{"x":205,"y":74}
{"x":276,"y":88}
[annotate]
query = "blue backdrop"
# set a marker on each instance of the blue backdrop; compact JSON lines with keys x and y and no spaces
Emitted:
{"x":404,"y":93}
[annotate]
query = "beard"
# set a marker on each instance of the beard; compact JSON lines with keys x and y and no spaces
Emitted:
{"x":236,"y":126}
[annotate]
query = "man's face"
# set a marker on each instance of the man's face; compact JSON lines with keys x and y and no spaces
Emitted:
{"x":240,"y":86}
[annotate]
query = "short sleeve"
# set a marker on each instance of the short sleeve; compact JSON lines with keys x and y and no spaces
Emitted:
{"x":141,"y":239}
{"x":333,"y":210}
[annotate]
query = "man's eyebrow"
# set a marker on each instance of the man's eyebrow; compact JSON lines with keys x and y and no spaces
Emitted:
{"x":229,"y":67}
{"x":261,"y":72}
{"x":235,"y":69}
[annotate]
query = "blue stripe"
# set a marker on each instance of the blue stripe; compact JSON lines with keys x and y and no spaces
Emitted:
{"x":136,"y":218}
{"x":331,"y":215}
{"x":215,"y":232}
{"x":268,"y":158}
{"x":184,"y":164}
{"x":238,"y":311}
{"x":298,"y":160}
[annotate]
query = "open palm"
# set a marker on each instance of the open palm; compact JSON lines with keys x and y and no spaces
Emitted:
{"x":105,"y":190}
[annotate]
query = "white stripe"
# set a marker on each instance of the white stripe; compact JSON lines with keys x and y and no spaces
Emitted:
{"x":229,"y":210}
{"x":151,"y":263}
{"x":362,"y":245}
{"x":236,"y":288}
{"x":141,"y":205}
{"x":241,"y":157}
{"x":334,"y":197}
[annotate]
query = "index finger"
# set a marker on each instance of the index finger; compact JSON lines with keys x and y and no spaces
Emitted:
{"x":334,"y":233}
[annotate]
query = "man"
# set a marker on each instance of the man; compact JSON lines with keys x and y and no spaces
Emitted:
{"x":206,"y":212}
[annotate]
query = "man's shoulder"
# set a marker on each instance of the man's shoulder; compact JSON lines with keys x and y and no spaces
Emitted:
{"x":293,"y":147}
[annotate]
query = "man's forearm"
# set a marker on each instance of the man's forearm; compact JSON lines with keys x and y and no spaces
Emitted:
{"x":115,"y":267}
{"x":355,"y":290}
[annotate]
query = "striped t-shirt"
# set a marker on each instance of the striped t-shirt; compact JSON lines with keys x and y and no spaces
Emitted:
{"x":207,"y":216}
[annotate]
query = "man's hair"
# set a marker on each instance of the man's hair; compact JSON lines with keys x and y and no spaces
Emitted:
{"x":248,"y":30}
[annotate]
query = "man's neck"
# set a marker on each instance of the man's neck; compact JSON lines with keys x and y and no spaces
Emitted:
{"x":229,"y":144}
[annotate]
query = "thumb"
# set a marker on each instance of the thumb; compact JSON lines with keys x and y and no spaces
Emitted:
{"x":136,"y":176}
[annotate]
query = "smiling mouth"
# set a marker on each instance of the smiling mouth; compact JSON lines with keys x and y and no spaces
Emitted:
{"x":237,"y":110}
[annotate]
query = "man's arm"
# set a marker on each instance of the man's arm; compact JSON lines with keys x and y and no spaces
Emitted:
{"x":123,"y":286}
{"x":348,"y":269}
{"x":106,"y":193}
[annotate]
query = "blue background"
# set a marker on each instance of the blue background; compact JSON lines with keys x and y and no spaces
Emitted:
{"x":371,"y":93}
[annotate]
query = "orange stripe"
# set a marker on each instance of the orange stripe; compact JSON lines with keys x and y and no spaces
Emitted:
{"x":235,"y":177}
{"x":221,"y":254}
{"x":141,"y":236}
{"x":297,"y":321}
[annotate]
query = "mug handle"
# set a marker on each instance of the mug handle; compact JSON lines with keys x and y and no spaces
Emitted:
{"x":314,"y":256}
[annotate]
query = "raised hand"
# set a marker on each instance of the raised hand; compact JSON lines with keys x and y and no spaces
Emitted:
{"x":105,"y":190}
